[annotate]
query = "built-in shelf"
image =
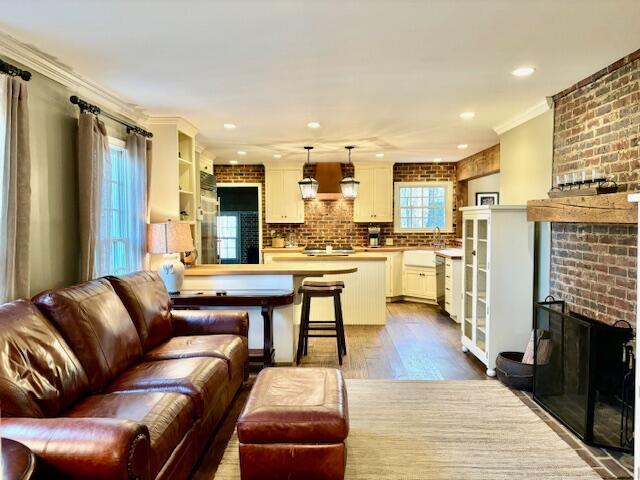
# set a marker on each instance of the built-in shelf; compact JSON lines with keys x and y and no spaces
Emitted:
{"x":186,"y":192}
{"x":184,"y":162}
{"x":607,"y":208}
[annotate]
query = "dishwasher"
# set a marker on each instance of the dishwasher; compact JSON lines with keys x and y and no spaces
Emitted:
{"x":440,"y":281}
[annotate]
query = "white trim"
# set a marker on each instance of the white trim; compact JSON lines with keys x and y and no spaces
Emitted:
{"x":182,"y":124}
{"x":448,"y":228}
{"x":34,"y":59}
{"x":538,"y":109}
{"x":117,"y":142}
{"x":259,"y":186}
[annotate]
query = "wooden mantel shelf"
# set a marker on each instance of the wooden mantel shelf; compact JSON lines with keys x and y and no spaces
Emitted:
{"x":608,"y":208}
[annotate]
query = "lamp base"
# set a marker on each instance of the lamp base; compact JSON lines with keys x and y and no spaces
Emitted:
{"x":172,"y":274}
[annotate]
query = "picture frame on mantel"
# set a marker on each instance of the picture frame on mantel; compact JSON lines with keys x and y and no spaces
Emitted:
{"x":487,"y":198}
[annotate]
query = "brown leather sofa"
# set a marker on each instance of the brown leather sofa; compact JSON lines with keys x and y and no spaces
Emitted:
{"x":104,"y":381}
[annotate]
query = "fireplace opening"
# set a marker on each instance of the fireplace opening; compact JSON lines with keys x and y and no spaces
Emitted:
{"x":584,"y":374}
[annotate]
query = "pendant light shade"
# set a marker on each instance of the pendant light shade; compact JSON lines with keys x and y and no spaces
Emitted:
{"x":349,"y":185}
{"x":308,"y":185}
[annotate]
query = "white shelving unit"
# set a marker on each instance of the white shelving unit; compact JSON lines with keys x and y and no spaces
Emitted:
{"x":497,"y":281}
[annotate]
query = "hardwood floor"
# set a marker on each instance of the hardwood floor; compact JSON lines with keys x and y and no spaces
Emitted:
{"x":417,"y":343}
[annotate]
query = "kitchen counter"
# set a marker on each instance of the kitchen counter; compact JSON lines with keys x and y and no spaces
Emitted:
{"x":453,"y":253}
{"x":383,"y":248}
{"x":352,"y":257}
{"x":265,"y":269}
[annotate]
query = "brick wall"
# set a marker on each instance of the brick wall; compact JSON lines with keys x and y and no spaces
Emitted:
{"x":597,"y":125}
{"x":332,"y":221}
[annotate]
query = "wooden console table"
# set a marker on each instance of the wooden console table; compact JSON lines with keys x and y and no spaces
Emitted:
{"x":265,"y":299}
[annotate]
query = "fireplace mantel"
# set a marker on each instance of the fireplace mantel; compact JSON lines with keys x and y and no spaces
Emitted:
{"x":607,"y":208}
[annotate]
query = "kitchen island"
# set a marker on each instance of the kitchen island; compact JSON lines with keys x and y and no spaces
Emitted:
{"x":264,"y":277}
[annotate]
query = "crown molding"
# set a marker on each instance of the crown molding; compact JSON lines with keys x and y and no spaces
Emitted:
{"x":34,"y":59}
{"x":180,"y":123}
{"x":539,"y":108}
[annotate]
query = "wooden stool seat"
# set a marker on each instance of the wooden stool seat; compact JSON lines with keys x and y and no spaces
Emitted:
{"x":310,"y":290}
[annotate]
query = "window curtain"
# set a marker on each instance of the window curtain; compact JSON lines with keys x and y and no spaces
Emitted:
{"x":15,"y":189}
{"x":93,"y":154}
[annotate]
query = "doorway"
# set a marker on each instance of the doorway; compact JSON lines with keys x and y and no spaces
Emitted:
{"x":240,"y":223}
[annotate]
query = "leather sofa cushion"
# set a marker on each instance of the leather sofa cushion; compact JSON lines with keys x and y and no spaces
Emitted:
{"x":231,"y":348}
{"x":296,"y":405}
{"x":96,"y":325}
{"x":148,"y":303}
{"x":39,"y":374}
{"x":204,"y":380}
{"x":167,"y":416}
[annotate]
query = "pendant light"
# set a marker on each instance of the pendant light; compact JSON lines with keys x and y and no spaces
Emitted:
{"x":349,"y":185}
{"x":308,"y":185}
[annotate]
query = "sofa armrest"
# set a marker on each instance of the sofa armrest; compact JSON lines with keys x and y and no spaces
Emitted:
{"x":210,"y":322}
{"x":75,"y":448}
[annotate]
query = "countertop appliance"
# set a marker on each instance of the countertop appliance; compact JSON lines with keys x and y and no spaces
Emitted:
{"x":319,"y":250}
{"x":374,"y":236}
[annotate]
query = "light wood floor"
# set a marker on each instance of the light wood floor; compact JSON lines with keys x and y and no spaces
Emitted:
{"x":417,"y":343}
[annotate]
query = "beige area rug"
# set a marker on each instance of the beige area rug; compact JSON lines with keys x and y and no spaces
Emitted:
{"x":444,"y":430}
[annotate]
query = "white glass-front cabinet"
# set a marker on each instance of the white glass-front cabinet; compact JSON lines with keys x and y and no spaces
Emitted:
{"x":497,"y":281}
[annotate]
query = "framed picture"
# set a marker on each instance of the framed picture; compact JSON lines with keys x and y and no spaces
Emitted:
{"x":487,"y":198}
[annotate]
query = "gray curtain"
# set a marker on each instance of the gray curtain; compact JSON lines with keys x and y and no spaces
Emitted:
{"x":93,"y":151}
{"x":15,"y":190}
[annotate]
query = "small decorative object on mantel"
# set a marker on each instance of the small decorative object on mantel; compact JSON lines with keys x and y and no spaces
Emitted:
{"x":487,"y":198}
{"x":580,"y":183}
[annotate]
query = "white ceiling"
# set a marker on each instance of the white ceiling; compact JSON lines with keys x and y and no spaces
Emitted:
{"x":388,"y":76}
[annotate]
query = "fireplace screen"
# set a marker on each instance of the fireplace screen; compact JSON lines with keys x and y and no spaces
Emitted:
{"x":584,"y":374}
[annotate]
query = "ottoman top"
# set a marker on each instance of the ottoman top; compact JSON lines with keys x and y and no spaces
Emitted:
{"x":296,"y":405}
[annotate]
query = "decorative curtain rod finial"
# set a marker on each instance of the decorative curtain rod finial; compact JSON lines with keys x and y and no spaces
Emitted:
{"x":14,"y":71}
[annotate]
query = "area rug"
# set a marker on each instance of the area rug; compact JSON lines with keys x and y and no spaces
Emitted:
{"x":444,"y":430}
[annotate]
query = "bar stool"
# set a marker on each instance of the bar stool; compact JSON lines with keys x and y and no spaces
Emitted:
{"x":309,"y":290}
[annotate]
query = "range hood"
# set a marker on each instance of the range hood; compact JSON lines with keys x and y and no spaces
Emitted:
{"x":329,"y":176}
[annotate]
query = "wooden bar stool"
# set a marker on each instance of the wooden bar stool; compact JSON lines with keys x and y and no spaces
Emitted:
{"x":308,"y":291}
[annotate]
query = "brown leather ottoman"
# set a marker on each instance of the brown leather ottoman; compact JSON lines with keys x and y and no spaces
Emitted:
{"x":295,"y":425}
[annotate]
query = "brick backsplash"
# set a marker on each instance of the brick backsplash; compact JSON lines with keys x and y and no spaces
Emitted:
{"x":597,"y":125}
{"x":332,"y":221}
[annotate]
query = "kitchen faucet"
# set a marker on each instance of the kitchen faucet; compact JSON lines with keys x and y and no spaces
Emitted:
{"x":436,"y":239}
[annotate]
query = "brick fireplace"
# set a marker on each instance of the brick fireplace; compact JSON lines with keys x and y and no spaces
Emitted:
{"x":597,"y":125}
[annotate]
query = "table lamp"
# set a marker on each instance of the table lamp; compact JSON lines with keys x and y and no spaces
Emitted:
{"x":169,"y":238}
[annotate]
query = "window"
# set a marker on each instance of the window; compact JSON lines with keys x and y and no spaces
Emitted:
{"x":121,"y":229}
{"x":228,"y":237}
{"x":423,"y":206}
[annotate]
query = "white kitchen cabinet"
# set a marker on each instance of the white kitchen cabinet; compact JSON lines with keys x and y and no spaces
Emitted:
{"x":420,"y":282}
{"x":374,"y":202}
{"x":497,"y":281}
{"x":452,"y":287}
{"x":393,"y":275}
{"x":284,"y":203}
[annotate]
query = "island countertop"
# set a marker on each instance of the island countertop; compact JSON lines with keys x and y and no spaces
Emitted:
{"x":264,"y":269}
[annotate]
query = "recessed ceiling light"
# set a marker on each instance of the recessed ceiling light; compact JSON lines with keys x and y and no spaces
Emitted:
{"x":523,"y":71}
{"x":277,"y":155}
{"x":241,"y":152}
{"x":379,"y":155}
{"x":233,"y":162}
{"x":437,"y":160}
{"x":462,"y":146}
{"x":467,"y":115}
{"x":229,"y":126}
{"x":313,"y":125}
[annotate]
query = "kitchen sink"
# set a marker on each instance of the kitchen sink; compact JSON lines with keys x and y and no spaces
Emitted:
{"x":420,"y":258}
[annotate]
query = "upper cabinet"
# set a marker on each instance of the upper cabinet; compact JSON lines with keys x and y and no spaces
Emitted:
{"x":374,"y":202}
{"x":284,"y":203}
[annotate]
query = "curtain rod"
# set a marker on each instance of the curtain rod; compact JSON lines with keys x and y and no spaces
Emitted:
{"x":88,"y":107}
{"x":14,"y":71}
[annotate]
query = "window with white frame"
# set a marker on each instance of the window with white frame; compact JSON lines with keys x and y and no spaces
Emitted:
{"x":423,"y":206}
{"x":120,"y":236}
{"x":227,"y":227}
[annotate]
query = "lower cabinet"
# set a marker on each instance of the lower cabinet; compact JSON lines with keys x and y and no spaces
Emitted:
{"x":420,"y":282}
{"x":453,"y":278}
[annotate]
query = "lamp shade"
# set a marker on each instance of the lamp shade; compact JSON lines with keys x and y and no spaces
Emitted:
{"x":170,"y":237}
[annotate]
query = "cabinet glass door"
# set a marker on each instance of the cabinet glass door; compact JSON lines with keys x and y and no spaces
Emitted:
{"x":467,"y":325}
{"x":481,"y":282}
